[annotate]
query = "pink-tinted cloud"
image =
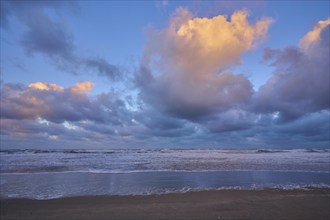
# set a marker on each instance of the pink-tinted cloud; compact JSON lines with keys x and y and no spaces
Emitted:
{"x":82,"y":87}
{"x":313,"y":37}
{"x":46,"y":86}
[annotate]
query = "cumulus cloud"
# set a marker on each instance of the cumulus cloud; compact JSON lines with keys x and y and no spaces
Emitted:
{"x":201,"y":47}
{"x":300,"y":83}
{"x":186,"y":75}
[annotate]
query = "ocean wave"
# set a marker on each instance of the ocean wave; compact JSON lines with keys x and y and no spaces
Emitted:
{"x":103,"y":171}
{"x":183,"y":190}
{"x":269,"y":151}
{"x":121,"y":161}
{"x":251,"y":187}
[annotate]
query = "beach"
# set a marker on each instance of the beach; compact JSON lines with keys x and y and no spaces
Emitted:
{"x":165,"y":184}
{"x":300,"y":204}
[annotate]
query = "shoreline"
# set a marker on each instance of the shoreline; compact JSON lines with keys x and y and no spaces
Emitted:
{"x":214,"y":204}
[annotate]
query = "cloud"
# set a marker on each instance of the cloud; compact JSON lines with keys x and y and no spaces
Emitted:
{"x":47,"y":37}
{"x":42,"y":112}
{"x":51,"y":37}
{"x":45,"y":86}
{"x":57,"y":104}
{"x":213,"y":44}
{"x":208,"y":44}
{"x":187,"y":94}
{"x":160,"y":125}
{"x":186,"y":75}
{"x":310,"y":131}
{"x":300,"y":83}
{"x":82,"y":87}
{"x":48,"y":103}
{"x":231,"y":120}
{"x":313,"y":36}
{"x":103,"y":68}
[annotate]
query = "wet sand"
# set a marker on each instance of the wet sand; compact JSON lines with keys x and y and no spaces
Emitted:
{"x":224,"y":204}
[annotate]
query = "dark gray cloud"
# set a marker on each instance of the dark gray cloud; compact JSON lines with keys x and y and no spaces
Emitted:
{"x":47,"y":37}
{"x":103,"y":68}
{"x":311,"y":131}
{"x":162,"y":125}
{"x":193,"y":100}
{"x":314,"y":126}
{"x":50,"y":39}
{"x":231,"y":120}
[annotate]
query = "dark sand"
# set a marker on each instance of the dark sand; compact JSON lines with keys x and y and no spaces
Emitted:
{"x":225,"y":204}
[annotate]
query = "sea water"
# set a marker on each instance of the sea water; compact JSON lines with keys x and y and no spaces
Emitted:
{"x":44,"y":174}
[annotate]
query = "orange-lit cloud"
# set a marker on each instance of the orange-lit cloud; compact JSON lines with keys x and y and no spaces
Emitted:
{"x":44,"y":100}
{"x":314,"y":36}
{"x":215,"y":42}
{"x":45,"y":86}
{"x":82,"y":87}
{"x":203,"y":46}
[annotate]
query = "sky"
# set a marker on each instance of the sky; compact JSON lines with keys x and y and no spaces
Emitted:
{"x":164,"y":74}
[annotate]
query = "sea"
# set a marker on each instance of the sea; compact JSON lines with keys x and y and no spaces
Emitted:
{"x":48,"y":174}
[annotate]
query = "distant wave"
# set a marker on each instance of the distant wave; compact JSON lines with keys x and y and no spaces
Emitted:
{"x":59,"y":170}
{"x":36,"y":151}
{"x":317,"y":150}
{"x":87,"y":152}
{"x":269,"y":151}
{"x":141,"y":151}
